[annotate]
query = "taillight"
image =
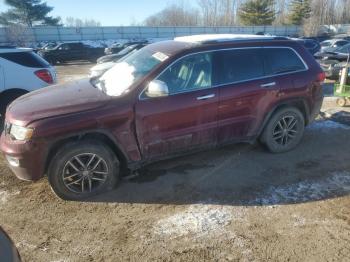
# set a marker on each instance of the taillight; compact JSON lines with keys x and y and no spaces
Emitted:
{"x":44,"y":75}
{"x":321,"y":77}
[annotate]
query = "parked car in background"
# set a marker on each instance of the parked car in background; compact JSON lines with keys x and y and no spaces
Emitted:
{"x":168,"y":98}
{"x":319,"y":39}
{"x":122,"y":53}
{"x":311,"y":45}
{"x":116,"y":48}
{"x":71,"y":52}
{"x":22,"y":71}
{"x":342,"y":36}
{"x":332,"y":62}
{"x":333,"y":44}
{"x":106,"y":62}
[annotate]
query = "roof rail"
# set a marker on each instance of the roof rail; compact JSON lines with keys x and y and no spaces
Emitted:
{"x":218,"y":38}
{"x":244,"y":40}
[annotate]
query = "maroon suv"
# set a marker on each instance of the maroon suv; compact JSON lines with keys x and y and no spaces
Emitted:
{"x":169,"y":98}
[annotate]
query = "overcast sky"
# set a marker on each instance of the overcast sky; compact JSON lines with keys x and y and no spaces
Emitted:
{"x":108,"y":12}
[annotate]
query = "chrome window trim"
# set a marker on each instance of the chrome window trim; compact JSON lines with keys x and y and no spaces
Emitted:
{"x":230,"y":83}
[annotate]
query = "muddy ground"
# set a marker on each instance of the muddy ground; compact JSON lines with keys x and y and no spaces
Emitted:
{"x":238,"y":203}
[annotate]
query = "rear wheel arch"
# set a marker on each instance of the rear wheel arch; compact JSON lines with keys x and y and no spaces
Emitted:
{"x":91,"y":136}
{"x":299,"y":104}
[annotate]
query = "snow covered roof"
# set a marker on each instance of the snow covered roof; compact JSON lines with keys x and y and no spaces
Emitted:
{"x":221,"y":38}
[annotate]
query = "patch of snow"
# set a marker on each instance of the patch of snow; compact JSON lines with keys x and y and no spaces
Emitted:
{"x":3,"y":196}
{"x":335,"y":184}
{"x":327,"y":125}
{"x":198,"y":220}
{"x":25,"y":244}
{"x":96,"y":43}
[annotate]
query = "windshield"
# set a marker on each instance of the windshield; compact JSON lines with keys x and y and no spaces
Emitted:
{"x":117,"y":80}
{"x":127,"y":50}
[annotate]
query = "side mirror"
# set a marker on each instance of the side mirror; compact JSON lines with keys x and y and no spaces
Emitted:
{"x":157,"y":88}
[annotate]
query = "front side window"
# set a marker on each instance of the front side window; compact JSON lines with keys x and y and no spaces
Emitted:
{"x":282,"y":60}
{"x":189,"y":73}
{"x":240,"y":65}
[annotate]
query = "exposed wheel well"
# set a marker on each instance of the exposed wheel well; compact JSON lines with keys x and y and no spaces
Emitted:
{"x":299,"y":104}
{"x":88,"y":136}
{"x":8,"y":96}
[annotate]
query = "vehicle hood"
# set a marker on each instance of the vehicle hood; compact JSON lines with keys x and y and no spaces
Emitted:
{"x":100,"y":69}
{"x":109,"y":58}
{"x":56,"y":100}
{"x":103,"y":66}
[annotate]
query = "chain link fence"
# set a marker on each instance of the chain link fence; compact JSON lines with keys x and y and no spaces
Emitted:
{"x":22,"y":35}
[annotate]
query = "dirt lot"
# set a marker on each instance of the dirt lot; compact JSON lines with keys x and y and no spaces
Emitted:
{"x":238,"y":203}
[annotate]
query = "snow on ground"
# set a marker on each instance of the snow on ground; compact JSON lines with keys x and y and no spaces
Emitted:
{"x":327,"y":125}
{"x":199,"y":220}
{"x":5,"y":195}
{"x":336,"y":184}
{"x":96,"y":43}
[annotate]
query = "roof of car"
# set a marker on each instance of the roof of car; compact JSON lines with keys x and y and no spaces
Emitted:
{"x":217,"y":38}
{"x":180,"y":44}
{"x":9,"y":49}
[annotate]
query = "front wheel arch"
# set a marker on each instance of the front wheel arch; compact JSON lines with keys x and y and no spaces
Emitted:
{"x":96,"y":136}
{"x":7,"y":96}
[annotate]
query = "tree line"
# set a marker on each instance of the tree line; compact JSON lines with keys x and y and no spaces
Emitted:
{"x":309,"y":13}
{"x":253,"y":12}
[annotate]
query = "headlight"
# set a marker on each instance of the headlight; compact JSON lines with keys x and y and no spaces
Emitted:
{"x":21,"y":133}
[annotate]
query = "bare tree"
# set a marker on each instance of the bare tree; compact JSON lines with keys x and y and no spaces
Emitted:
{"x":19,"y":35}
{"x":174,"y":15}
{"x":77,"y":22}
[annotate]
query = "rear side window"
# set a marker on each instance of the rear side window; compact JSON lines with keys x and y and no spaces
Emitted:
{"x":282,"y":60}
{"x":28,"y":59}
{"x":240,"y":65}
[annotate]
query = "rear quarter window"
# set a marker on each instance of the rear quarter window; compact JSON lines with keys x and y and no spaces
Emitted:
{"x":239,"y":65}
{"x":28,"y":59}
{"x":282,"y":60}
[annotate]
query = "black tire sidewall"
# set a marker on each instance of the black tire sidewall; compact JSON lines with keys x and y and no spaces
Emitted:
{"x":267,"y":134}
{"x":66,"y":153}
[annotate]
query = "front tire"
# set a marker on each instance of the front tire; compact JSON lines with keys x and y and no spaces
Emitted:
{"x":83,"y":169}
{"x":284,"y":130}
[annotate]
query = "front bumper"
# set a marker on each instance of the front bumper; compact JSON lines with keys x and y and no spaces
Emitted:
{"x":25,"y":159}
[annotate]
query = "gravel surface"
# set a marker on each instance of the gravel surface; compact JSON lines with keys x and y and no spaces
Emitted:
{"x":237,"y":203}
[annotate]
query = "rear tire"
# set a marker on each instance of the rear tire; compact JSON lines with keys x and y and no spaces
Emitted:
{"x":284,"y":130}
{"x":83,"y":169}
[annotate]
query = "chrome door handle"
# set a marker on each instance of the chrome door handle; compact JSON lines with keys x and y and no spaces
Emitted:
{"x":268,"y":85}
{"x":206,"y":97}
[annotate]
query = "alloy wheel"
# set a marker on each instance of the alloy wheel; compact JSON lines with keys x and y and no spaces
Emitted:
{"x":285,"y":130}
{"x":85,"y":173}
